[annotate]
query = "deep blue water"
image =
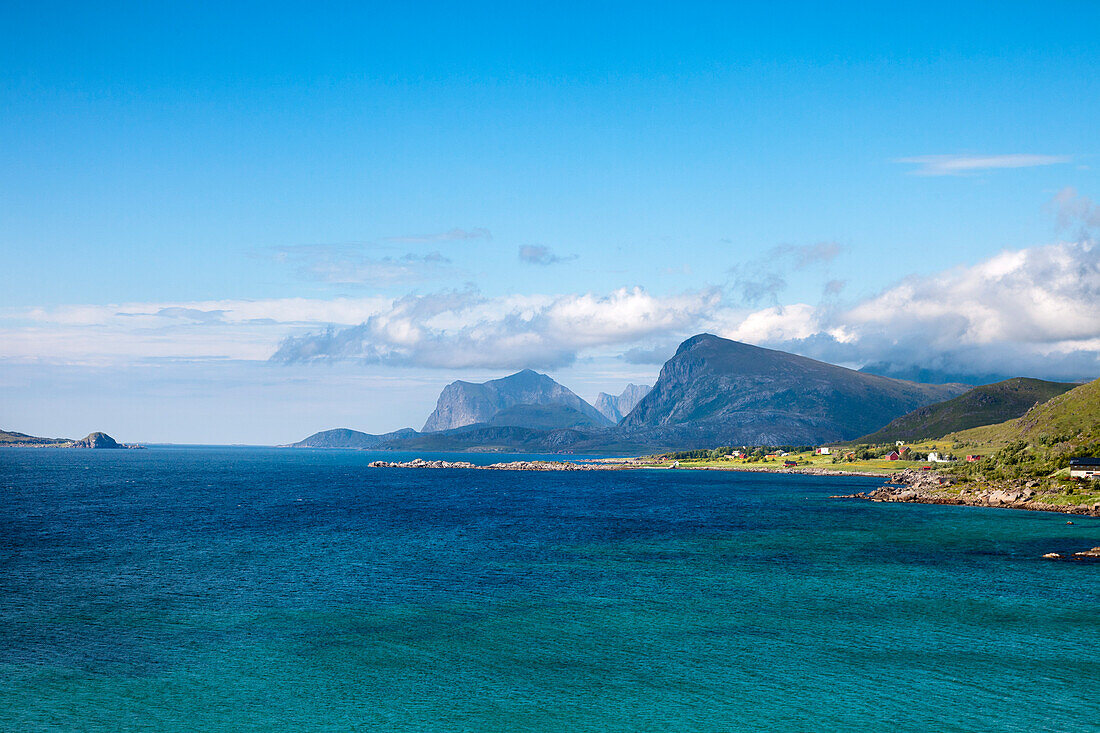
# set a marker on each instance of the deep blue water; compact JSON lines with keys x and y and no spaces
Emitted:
{"x":265,"y":589}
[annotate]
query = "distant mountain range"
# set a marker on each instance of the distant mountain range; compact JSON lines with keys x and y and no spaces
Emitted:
{"x":712,"y":392}
{"x":616,"y":408}
{"x":985,"y":405}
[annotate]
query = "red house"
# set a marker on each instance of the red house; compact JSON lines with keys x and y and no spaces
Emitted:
{"x":972,"y":459}
{"x":892,"y":455}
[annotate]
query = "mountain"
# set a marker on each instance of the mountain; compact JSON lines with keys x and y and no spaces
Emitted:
{"x":985,"y":405}
{"x":720,"y":392}
{"x":712,"y":392}
{"x":615,"y":408}
{"x":1067,"y":422}
{"x":467,"y":403}
{"x":346,"y":438}
{"x":543,"y":417}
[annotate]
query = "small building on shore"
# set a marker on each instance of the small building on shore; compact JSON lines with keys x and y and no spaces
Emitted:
{"x":1084,"y":467}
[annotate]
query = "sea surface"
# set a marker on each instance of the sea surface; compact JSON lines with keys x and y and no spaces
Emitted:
{"x":252,"y":589}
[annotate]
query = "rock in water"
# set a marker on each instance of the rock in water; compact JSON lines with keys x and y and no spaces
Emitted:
{"x":97,"y":440}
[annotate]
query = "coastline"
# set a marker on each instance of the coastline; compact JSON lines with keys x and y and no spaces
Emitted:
{"x":928,"y":487}
{"x":1071,"y":509}
{"x":908,"y":486}
{"x":613,"y":464}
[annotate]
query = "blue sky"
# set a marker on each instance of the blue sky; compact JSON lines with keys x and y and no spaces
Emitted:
{"x":421,"y":193}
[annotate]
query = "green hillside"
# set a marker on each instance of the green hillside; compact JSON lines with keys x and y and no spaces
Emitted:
{"x":1040,"y":442}
{"x":985,"y":405}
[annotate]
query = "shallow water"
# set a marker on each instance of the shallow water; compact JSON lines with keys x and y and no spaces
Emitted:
{"x":262,"y":589}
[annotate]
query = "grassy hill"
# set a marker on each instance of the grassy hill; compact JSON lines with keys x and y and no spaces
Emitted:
{"x":1062,"y":423}
{"x":1040,"y":442}
{"x":985,"y":405}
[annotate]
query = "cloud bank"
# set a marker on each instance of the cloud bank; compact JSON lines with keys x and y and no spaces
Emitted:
{"x":1033,"y":311}
{"x":464,"y":329}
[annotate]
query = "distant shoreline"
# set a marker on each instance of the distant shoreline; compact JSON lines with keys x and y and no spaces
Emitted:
{"x":613,"y":464}
{"x":912,"y":487}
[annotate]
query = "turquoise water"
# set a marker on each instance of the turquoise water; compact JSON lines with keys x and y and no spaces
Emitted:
{"x":264,"y":589}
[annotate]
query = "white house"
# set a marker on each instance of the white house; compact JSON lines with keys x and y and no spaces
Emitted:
{"x":822,"y":451}
{"x":1084,"y":467}
{"x":935,"y":457}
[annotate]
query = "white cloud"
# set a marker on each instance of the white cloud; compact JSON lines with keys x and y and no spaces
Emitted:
{"x":460,"y":330}
{"x":198,"y":330}
{"x":1029,"y":311}
{"x":1032,"y":312}
{"x":449,"y":329}
{"x":778,"y":323}
{"x":539,"y":255}
{"x":957,"y":165}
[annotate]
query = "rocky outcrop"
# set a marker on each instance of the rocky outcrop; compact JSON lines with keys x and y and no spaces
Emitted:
{"x":97,"y":440}
{"x":421,"y":463}
{"x":1088,"y":555}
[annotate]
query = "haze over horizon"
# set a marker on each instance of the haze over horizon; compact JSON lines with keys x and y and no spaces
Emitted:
{"x":247,"y":225}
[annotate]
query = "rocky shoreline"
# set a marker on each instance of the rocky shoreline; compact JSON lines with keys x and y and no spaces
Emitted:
{"x":610,"y":464}
{"x":929,"y":487}
{"x":807,"y":470}
{"x":511,"y":466}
